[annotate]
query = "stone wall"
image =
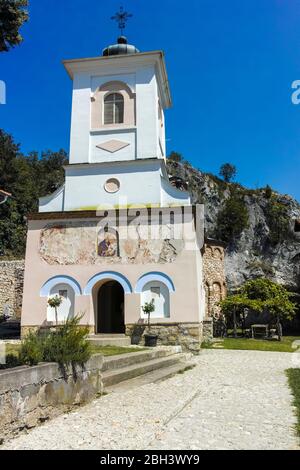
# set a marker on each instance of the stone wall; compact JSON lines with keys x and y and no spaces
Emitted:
{"x":208,"y":329}
{"x":214,"y":276}
{"x":11,"y":287}
{"x":186,"y":335}
{"x":30,"y":396}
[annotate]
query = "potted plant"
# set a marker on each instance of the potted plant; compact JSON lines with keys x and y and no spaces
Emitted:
{"x":150,"y":338}
{"x":137,"y":332}
{"x":55,"y":302}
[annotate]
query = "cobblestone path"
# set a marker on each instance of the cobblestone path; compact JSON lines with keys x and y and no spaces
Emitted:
{"x":230,"y":400}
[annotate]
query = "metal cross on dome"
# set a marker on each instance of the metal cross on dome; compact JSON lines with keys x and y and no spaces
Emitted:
{"x":122,"y":17}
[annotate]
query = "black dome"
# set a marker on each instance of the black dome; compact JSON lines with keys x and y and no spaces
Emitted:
{"x":122,"y":48}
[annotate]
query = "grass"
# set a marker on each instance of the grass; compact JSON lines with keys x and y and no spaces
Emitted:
{"x":254,"y":344}
{"x":294,"y":383}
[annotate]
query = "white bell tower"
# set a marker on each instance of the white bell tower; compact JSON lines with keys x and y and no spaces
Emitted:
{"x":118,"y":145}
{"x":118,"y":106}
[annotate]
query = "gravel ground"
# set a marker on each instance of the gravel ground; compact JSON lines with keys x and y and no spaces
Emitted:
{"x":230,"y":400}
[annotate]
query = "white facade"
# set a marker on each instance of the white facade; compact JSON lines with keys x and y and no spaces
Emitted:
{"x":132,"y":152}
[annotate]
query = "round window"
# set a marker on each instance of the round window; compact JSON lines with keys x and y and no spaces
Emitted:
{"x":112,"y":185}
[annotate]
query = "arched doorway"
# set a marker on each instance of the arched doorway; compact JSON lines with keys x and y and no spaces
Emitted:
{"x":110,"y":308}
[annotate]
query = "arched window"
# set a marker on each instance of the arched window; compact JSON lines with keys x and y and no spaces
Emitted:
{"x":158,"y":292}
{"x":114,"y":109}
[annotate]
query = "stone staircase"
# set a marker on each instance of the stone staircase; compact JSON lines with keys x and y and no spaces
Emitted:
{"x":135,"y":369}
{"x":110,"y":340}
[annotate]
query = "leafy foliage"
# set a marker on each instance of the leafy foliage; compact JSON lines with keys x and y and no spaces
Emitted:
{"x":27,"y":178}
{"x":277,"y":218}
{"x":149,"y":308}
{"x":12,"y":16}
{"x":68,"y":345}
{"x":275,"y":298}
{"x":31,"y":352}
{"x":228,"y":172}
{"x":261,"y":295}
{"x":268,"y":192}
{"x":232,"y":219}
{"x":55,"y":302}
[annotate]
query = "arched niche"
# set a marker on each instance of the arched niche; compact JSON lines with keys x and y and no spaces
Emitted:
{"x":158,"y":292}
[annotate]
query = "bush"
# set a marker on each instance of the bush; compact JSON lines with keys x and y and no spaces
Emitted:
{"x":31,"y":352}
{"x":232,"y":219}
{"x":67,"y":345}
{"x":277,"y":218}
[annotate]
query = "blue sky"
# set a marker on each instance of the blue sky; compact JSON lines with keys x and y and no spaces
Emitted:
{"x":230,"y":63}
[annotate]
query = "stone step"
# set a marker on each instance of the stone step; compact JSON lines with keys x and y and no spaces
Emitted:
{"x":110,"y":340}
{"x":155,"y":376}
{"x":125,"y":360}
{"x":112,"y":377}
{"x":107,"y":335}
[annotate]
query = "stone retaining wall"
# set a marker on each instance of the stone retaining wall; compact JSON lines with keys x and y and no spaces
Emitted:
{"x":11,"y":287}
{"x":208,"y":330}
{"x":32,"y":395}
{"x":187,"y":335}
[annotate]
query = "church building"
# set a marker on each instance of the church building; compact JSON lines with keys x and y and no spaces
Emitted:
{"x":119,"y":232}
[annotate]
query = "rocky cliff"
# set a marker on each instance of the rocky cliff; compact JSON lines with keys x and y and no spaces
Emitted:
{"x":268,"y":246}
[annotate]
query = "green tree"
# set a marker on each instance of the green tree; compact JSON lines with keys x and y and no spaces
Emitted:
{"x":13,"y":15}
{"x":268,"y":192}
{"x":233,"y":307}
{"x":228,"y":172}
{"x":232,"y":219}
{"x":261,"y":295}
{"x":274,"y":298}
{"x":278,"y":220}
{"x":27,"y":179}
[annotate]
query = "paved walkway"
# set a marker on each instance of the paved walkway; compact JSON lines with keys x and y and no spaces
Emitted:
{"x":230,"y":400}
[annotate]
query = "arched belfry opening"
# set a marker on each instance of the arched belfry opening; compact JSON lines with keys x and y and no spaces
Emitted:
{"x":110,"y":308}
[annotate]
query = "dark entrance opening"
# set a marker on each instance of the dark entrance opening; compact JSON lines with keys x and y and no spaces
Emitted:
{"x":297,"y":226}
{"x":110,"y":309}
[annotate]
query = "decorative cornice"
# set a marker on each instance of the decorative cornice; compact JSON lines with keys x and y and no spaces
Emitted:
{"x":95,"y":214}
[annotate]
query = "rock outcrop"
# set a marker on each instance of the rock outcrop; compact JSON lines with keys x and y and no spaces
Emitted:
{"x":252,"y":254}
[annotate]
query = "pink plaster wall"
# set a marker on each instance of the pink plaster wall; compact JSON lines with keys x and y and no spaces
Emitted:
{"x":186,"y":303}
